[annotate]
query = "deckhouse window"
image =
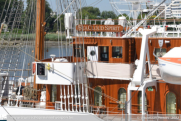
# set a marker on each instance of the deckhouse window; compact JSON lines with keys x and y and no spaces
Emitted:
{"x":117,"y":52}
{"x":104,"y":53}
{"x":54,"y":93}
{"x":171,"y":103}
{"x":160,"y":53}
{"x":98,"y":96}
{"x":140,"y":102}
{"x":79,"y":51}
{"x":122,"y":97}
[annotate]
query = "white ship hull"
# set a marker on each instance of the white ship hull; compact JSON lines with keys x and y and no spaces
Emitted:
{"x":14,"y":111}
{"x":170,"y":71}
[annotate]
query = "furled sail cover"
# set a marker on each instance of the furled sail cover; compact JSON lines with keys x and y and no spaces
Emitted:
{"x":110,"y":70}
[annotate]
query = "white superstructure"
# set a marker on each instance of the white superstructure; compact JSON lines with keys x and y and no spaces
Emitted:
{"x":176,"y":9}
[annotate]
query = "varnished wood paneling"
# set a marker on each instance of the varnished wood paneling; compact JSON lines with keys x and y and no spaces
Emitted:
{"x":156,"y":100}
{"x":110,"y":42}
{"x":153,"y":44}
{"x":48,"y":96}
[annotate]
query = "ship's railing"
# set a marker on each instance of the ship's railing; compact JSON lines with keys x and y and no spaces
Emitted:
{"x":116,"y":21}
{"x":101,"y":28}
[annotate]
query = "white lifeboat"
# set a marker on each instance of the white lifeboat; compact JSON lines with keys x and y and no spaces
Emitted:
{"x":170,"y":66}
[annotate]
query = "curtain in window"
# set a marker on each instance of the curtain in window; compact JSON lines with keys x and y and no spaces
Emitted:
{"x":98,"y":97}
{"x":122,"y":97}
{"x":171,"y":103}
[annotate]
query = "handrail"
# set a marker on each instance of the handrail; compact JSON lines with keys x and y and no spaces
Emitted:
{"x":131,"y":19}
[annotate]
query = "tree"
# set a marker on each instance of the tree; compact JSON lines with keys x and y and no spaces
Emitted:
{"x":125,"y":15}
{"x":108,"y":14}
{"x":52,"y":27}
{"x":4,"y":5}
{"x":48,"y":10}
{"x":141,"y":15}
{"x":91,"y":12}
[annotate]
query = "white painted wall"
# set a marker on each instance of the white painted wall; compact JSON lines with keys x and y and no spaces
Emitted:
{"x":89,"y":56}
{"x":59,"y":74}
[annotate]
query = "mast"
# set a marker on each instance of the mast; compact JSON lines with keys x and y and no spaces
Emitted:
{"x":39,"y":42}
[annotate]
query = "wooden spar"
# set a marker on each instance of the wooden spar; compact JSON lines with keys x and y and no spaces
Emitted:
{"x":39,"y":43}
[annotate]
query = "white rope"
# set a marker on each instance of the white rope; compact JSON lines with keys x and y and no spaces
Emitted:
{"x":58,"y":30}
{"x":64,"y":10}
{"x":25,"y":50}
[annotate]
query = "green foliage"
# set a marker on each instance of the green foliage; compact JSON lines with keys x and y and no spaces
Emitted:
{"x":152,"y":17}
{"x":91,"y":12}
{"x":125,"y":15}
{"x":5,"y":6}
{"x":2,"y":5}
{"x":142,"y":15}
{"x":2,"y":2}
{"x":54,"y":37}
{"x":48,"y":10}
{"x":17,"y":31}
{"x":108,"y":14}
{"x":52,"y":27}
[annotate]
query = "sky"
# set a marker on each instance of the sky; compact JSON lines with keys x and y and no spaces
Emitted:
{"x":103,"y":5}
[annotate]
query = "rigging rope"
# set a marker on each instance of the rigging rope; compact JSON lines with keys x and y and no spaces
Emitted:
{"x":58,"y":30}
{"x":69,"y":77}
{"x":29,"y":12}
{"x":3,"y":10}
{"x":7,"y":11}
{"x":60,"y":72}
{"x":65,"y":10}
{"x":94,"y":3}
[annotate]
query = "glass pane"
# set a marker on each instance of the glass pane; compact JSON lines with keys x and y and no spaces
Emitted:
{"x":140,"y":102}
{"x":54,"y":93}
{"x":117,"y":52}
{"x":104,"y":53}
{"x":171,"y":103}
{"x":159,"y":52}
{"x":122,"y":97}
{"x":98,"y":96}
{"x":79,"y":51}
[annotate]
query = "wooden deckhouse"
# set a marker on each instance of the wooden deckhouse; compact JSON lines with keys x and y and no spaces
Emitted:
{"x":157,"y":101}
{"x":111,"y":70}
{"x":117,"y":55}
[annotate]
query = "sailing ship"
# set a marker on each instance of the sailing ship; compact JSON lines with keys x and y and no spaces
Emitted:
{"x":112,"y":68}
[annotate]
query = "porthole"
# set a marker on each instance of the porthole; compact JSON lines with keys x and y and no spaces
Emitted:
{"x":92,"y":53}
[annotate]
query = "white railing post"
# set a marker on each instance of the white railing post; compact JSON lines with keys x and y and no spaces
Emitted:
{"x":122,"y":113}
{"x":95,"y":24}
{"x":157,"y":116}
{"x":61,"y":97}
{"x":107,"y":112}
